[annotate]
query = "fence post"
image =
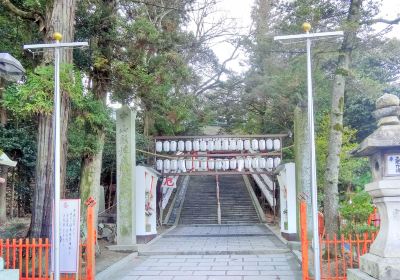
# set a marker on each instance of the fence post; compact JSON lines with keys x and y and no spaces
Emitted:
{"x":304,"y":240}
{"x":91,"y":239}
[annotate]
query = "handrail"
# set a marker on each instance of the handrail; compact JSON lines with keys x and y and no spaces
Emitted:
{"x":218,"y":203}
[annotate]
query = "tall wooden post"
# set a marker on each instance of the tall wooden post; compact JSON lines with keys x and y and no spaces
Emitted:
{"x":91,"y":240}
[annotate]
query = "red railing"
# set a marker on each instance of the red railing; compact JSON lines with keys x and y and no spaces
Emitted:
{"x":337,"y":254}
{"x":32,"y":256}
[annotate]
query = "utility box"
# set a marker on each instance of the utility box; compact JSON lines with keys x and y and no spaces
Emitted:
{"x":286,"y":175}
{"x":146,"y":203}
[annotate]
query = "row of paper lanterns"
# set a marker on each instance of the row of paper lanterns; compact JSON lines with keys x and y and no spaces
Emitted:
{"x":218,"y":145}
{"x":239,"y":164}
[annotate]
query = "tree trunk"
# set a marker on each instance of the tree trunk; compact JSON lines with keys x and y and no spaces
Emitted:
{"x":59,"y":18}
{"x":3,"y":192}
{"x":331,"y":192}
{"x":90,"y":181}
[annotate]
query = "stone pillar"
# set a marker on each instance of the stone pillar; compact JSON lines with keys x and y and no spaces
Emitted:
{"x":303,"y":160}
{"x":126,"y":185}
{"x":383,"y":149}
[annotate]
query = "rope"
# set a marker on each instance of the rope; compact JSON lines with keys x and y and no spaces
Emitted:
{"x":154,"y":154}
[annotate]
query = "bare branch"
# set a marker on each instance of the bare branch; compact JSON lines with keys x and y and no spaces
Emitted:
{"x":383,"y":20}
{"x":29,"y":15}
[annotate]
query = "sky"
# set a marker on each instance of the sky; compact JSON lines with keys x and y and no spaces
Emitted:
{"x":241,"y":10}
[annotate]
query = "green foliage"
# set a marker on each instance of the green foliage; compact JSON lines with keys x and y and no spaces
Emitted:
{"x":36,"y":95}
{"x":356,"y":212}
{"x":354,"y":172}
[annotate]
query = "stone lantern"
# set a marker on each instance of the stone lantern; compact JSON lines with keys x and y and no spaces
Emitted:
{"x":383,"y":149}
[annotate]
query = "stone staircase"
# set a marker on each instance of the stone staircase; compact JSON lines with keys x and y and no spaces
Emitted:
{"x":200,"y":205}
{"x":236,"y":204}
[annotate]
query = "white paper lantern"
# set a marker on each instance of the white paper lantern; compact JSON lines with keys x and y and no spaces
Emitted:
{"x":261,"y":144}
{"x":167,"y":165}
{"x":225,"y":145}
{"x":232,"y":145}
{"x":277,"y":161}
{"x":240,"y":163}
{"x":254,"y":163}
{"x":239,"y":144}
{"x":174,"y":165}
{"x":181,"y":165}
{"x":262,"y":163}
{"x":233,"y":163}
{"x":166,"y":146}
{"x":181,"y":146}
{"x":196,"y":145}
{"x":203,"y":146}
{"x":203,"y":164}
{"x":211,"y":164}
{"x":225,"y":164}
{"x":270,"y":163}
{"x":159,"y":165}
{"x":158,"y":146}
{"x":172,"y":146}
{"x":210,"y":145}
{"x":254,"y":144}
{"x":196,"y":164}
{"x":188,"y":146}
{"x":218,"y":164}
{"x":247,"y":145}
{"x":277,"y":144}
{"x":218,"y":145}
{"x":247,"y":163}
{"x":269,"y":144}
{"x":189,"y":164}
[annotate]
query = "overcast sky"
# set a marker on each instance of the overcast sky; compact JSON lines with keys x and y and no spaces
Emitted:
{"x":241,"y":9}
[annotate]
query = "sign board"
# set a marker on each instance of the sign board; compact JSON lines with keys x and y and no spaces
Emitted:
{"x":69,"y":235}
{"x":393,"y":165}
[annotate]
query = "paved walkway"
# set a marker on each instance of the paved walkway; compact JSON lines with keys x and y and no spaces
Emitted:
{"x":245,"y":252}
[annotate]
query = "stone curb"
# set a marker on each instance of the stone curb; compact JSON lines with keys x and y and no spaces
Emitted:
{"x":110,"y":271}
{"x":223,"y":252}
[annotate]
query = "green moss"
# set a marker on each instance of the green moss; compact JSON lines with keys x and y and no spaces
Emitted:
{"x":341,"y":104}
{"x":338,"y":127}
{"x":342,"y":71}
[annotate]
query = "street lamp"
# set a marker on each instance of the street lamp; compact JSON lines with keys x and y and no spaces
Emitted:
{"x":10,"y":68}
{"x":308,"y":36}
{"x":57,"y":46}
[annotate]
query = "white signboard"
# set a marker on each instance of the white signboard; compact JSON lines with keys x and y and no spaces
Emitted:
{"x":69,"y":235}
{"x":393,"y":165}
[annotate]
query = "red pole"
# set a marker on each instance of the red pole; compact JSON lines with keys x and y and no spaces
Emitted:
{"x":304,"y":240}
{"x":91,"y":239}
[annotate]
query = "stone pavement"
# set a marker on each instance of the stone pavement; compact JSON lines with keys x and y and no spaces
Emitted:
{"x":213,"y":252}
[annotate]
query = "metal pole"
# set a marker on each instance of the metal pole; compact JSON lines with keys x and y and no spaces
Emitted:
{"x":317,"y":272}
{"x":57,"y":162}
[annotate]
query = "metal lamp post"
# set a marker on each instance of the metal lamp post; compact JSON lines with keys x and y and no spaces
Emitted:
{"x":309,"y":36}
{"x":57,"y":46}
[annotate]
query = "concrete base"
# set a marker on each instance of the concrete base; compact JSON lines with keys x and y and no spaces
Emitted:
{"x":379,"y":267}
{"x":290,"y":236}
{"x":123,"y":248}
{"x":356,"y":274}
{"x":9,"y":274}
{"x":143,"y":239}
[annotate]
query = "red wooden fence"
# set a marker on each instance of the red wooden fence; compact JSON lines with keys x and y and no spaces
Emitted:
{"x":337,"y":254}
{"x":32,"y":256}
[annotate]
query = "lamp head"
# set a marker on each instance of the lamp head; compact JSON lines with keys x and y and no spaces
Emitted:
{"x":57,"y":36}
{"x":306,"y":27}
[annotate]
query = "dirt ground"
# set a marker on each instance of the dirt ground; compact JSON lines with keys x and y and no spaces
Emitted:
{"x":106,"y":257}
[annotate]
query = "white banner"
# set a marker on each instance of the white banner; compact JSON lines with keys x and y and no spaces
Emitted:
{"x":169,"y":182}
{"x":69,"y":235}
